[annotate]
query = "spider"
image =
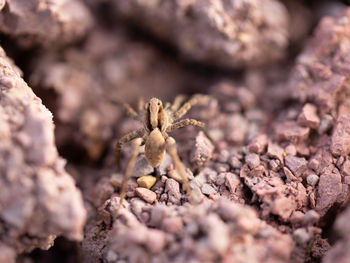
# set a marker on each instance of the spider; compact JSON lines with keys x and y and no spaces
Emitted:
{"x":157,"y":122}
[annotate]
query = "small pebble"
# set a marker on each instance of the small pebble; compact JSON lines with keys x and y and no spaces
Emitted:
{"x":312,"y":179}
{"x":291,"y":150}
{"x":223,"y":156}
{"x":235,"y":162}
{"x":156,"y":240}
{"x":172,"y":188}
{"x":222,"y":167}
{"x":146,"y":181}
{"x":207,"y":189}
{"x":252,"y":160}
{"x":111,"y":256}
{"x":220,"y":179}
{"x":301,"y":236}
{"x":145,"y":194}
{"x":172,"y":224}
{"x":296,"y":164}
{"x":232,"y":181}
{"x":308,"y":116}
{"x":274,"y":165}
{"x":258,"y":144}
{"x":311,"y":217}
{"x":326,"y":124}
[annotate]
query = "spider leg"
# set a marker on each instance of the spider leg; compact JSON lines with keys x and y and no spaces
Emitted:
{"x":171,"y":145}
{"x":141,"y":104}
{"x":198,"y":99}
{"x":126,"y":138}
{"x":177,"y":102}
{"x":184,"y":123}
{"x":130,"y":111}
{"x":136,"y":143}
{"x":167,"y":105}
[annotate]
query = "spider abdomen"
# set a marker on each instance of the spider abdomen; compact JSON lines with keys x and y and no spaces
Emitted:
{"x":155,"y":148}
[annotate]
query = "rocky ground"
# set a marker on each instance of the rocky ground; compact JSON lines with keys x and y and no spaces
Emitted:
{"x":270,"y":172}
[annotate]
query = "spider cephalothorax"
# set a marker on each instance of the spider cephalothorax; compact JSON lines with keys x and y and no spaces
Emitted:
{"x":157,"y":121}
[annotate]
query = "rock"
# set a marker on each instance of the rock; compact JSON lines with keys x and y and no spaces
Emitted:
{"x":232,"y":181}
{"x":201,"y":178}
{"x":237,"y":128}
{"x":329,"y":188}
{"x":252,"y":160}
{"x":63,"y":22}
{"x":172,"y":188}
{"x":235,"y":162}
{"x":290,"y":131}
{"x":103,"y":190}
{"x":312,"y":179}
{"x":172,"y":225}
{"x":212,"y":29}
{"x":7,"y":254}
{"x":146,"y":181}
{"x":258,"y":144}
{"x":341,"y":136}
{"x":346,"y":168}
{"x":155,"y":240}
{"x":142,"y":167}
{"x":291,"y":150}
{"x":308,"y":116}
{"x":311,"y":217}
{"x":275,"y":151}
{"x":220,"y":180}
{"x":207,"y":189}
{"x":224,"y":156}
{"x":145,"y":194}
{"x":296,"y":217}
{"x":339,"y":252}
{"x":318,"y":76}
{"x":218,"y":234}
{"x":246,"y":98}
{"x":289,"y":175}
{"x":283,"y":207}
{"x":296,"y":164}
{"x":274,"y":164}
{"x":301,"y":236}
{"x":39,"y":198}
{"x":326,"y":124}
{"x":202,"y":151}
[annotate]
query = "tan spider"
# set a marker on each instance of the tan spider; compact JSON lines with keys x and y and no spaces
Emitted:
{"x":157,"y":122}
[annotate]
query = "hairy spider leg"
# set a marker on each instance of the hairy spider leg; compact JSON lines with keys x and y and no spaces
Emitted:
{"x":197,"y":99}
{"x":126,"y":138}
{"x":136,"y":143}
{"x":130,"y":111}
{"x":184,"y":123}
{"x":171,"y":145}
{"x":141,"y":104}
{"x":179,"y":99}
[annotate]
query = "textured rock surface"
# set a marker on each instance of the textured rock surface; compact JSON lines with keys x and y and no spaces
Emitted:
{"x":213,"y":231}
{"x":322,"y":69}
{"x":340,"y":252}
{"x":38,"y":200}
{"x":44,"y":22}
{"x":221,"y":33}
